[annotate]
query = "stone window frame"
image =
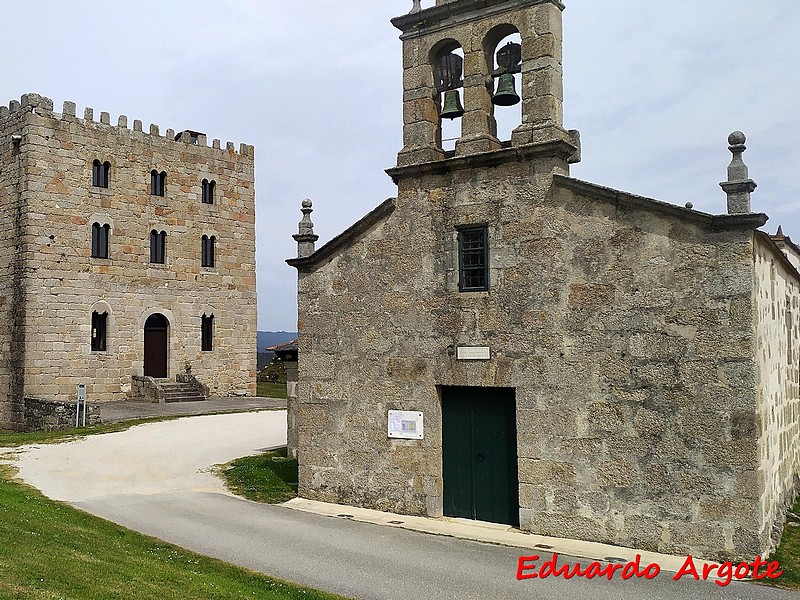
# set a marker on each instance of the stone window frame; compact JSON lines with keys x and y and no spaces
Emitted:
{"x":207,"y":251}
{"x":101,"y":236}
{"x":158,"y":247}
{"x":209,"y":188}
{"x":99,"y":331}
{"x":207,"y":332}
{"x":100,"y":173}
{"x":478,"y":278}
{"x":158,"y":183}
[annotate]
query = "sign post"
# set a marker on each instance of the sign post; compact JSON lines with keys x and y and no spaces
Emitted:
{"x":81,"y":399}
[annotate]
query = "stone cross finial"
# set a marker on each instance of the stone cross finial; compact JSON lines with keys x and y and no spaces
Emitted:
{"x":739,"y":185}
{"x":305,"y":236}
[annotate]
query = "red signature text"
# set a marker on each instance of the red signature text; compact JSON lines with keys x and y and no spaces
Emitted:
{"x":528,"y":567}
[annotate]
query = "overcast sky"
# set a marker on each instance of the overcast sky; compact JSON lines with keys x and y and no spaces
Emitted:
{"x":654,"y":87}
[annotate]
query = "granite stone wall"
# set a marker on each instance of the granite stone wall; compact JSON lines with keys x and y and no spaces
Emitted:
{"x":627,"y":334}
{"x":777,"y":419}
{"x":12,"y":215}
{"x":64,"y":284}
{"x":50,"y":415}
{"x":651,"y":409}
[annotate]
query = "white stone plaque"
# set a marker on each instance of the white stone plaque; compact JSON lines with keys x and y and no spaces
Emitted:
{"x":473,"y":353}
{"x":405,"y":424}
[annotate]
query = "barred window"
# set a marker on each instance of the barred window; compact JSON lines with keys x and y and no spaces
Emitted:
{"x":473,"y":255}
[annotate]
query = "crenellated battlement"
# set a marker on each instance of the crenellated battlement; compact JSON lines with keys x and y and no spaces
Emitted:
{"x":43,"y":106}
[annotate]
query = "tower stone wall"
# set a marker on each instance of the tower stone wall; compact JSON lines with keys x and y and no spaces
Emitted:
{"x":63,"y":284}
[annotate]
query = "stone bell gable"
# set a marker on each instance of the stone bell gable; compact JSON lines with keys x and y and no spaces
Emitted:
{"x":115,"y":237}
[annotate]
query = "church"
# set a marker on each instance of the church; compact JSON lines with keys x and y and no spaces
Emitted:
{"x":506,"y":343}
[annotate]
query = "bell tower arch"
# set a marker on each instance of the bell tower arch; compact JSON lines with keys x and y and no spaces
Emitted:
{"x":491,"y":71}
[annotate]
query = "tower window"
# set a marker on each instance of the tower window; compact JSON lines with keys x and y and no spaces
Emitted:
{"x":473,"y":255}
{"x":100,"y":173}
{"x":158,"y":243}
{"x":208,"y":191}
{"x":207,"y":333}
{"x":100,"y":235}
{"x":99,"y":329}
{"x":158,"y":183}
{"x":207,"y":251}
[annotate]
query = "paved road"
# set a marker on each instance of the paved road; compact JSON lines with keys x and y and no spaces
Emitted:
{"x":155,"y":479}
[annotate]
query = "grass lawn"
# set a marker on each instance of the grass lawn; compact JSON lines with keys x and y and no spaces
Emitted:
{"x":271,"y":390}
{"x":788,"y":553}
{"x":269,"y":477}
{"x":51,"y":551}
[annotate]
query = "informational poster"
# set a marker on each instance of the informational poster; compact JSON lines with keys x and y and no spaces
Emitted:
{"x":405,"y":424}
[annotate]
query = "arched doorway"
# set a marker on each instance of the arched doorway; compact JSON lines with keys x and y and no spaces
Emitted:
{"x":156,"y":330}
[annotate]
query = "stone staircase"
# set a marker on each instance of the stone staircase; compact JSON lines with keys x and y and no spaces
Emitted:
{"x":179,"y":392}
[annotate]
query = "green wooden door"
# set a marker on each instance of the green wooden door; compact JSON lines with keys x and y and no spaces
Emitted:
{"x":479,"y":454}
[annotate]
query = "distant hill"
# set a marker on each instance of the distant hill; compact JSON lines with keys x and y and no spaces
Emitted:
{"x":273,"y":338}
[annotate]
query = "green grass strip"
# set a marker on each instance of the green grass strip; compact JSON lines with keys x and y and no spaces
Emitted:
{"x":788,"y":553}
{"x":271,"y":390}
{"x":49,"y":550}
{"x":269,"y":477}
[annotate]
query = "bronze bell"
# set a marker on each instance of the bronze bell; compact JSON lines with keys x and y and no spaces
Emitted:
{"x":506,"y":94}
{"x":452,"y":108}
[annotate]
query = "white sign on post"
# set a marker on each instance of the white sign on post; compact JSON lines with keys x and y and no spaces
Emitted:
{"x":405,"y":424}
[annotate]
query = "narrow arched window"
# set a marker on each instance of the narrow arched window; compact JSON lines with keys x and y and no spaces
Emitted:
{"x":158,"y":246}
{"x":207,"y":251}
{"x":208,"y":191}
{"x":100,"y":235}
{"x":99,"y":331}
{"x":207,"y":333}
{"x":158,"y":183}
{"x":100,"y":172}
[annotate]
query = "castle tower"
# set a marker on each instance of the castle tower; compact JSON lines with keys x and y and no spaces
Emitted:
{"x":460,"y":44}
{"x":127,"y":262}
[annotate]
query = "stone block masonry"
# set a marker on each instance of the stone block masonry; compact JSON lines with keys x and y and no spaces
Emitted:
{"x":51,"y":283}
{"x":650,"y":350}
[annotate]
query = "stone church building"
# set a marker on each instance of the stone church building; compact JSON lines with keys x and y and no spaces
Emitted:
{"x":506,"y":343}
{"x":127,"y":259}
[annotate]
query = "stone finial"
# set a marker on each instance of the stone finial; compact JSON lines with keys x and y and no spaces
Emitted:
{"x":739,"y":185}
{"x":417,"y":6}
{"x":305,"y":236}
{"x":779,"y":233}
